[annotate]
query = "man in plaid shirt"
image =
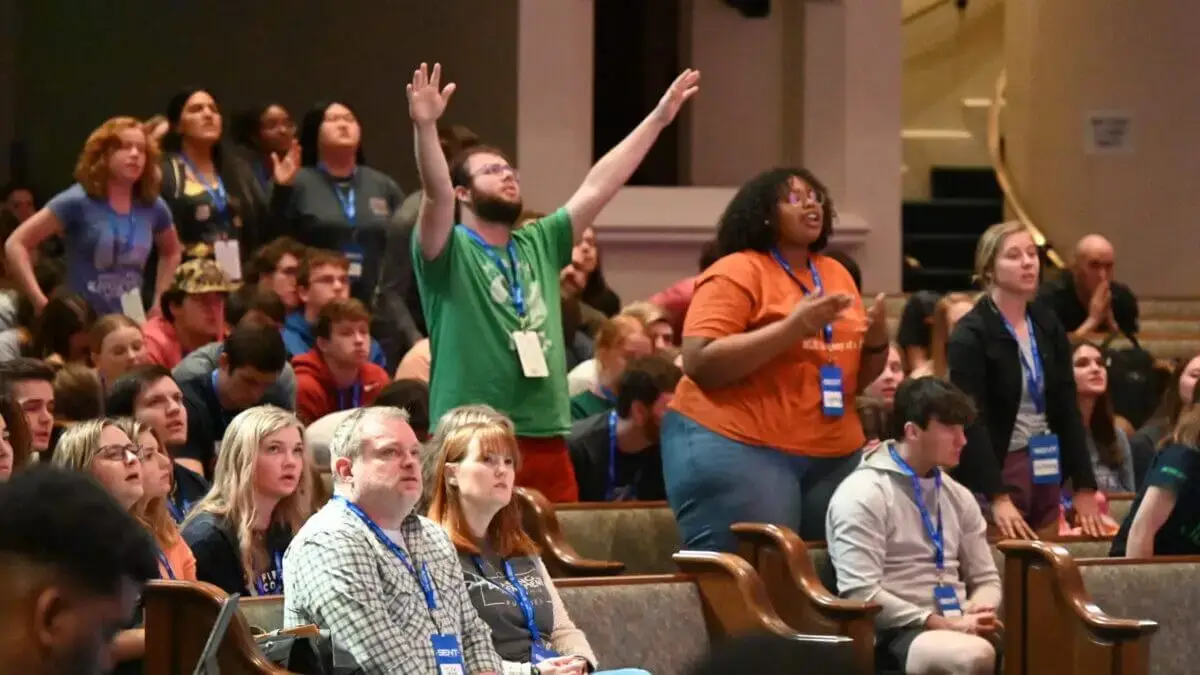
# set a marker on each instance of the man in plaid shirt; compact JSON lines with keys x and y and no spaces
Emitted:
{"x":384,"y":581}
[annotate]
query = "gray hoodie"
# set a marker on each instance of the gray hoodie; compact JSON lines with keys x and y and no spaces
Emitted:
{"x":882,"y":552}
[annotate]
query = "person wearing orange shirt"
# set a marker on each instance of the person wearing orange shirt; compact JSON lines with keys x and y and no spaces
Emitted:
{"x":776,"y":347}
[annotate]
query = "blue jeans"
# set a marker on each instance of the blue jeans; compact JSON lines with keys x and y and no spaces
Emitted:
{"x":714,"y":482}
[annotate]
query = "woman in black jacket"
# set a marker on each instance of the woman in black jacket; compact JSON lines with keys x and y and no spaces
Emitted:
{"x":1012,"y":357}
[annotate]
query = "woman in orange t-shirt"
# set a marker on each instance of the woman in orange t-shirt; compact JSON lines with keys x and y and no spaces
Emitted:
{"x":776,"y":346}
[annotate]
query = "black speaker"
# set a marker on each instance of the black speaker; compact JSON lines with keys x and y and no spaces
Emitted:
{"x":751,"y":9}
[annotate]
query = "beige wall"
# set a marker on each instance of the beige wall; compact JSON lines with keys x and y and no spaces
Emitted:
{"x":1068,"y":57}
{"x":815,"y":98}
{"x":361,"y":51}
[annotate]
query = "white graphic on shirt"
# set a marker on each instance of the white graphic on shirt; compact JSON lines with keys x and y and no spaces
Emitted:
{"x":535,"y":304}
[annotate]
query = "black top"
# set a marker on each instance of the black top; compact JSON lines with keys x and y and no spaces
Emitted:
{"x":638,"y":475}
{"x":214,"y":542}
{"x":1060,"y":296}
{"x":311,"y":209}
{"x":1177,"y":470}
{"x":985,"y":363}
{"x":916,"y":320}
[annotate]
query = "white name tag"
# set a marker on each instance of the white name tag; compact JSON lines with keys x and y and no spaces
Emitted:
{"x":229,"y":258}
{"x":131,"y":306}
{"x":529,"y":350}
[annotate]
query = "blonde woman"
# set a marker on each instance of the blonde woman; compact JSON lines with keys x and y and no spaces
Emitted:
{"x":99,"y":448}
{"x":619,"y":340}
{"x":1012,"y":357}
{"x":260,"y":496}
{"x":949,"y":309}
{"x":175,"y":559}
{"x":476,"y":466}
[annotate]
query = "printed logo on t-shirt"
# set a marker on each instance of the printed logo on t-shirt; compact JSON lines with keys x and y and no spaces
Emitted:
{"x":115,"y":254}
{"x":535,"y":304}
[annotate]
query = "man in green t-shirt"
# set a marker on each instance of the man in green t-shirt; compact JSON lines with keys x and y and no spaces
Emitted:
{"x":490,"y":292}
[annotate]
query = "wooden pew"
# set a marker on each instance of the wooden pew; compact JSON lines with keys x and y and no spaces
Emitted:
{"x":1119,"y":504}
{"x":1057,"y":618}
{"x":799,"y":577}
{"x":663,"y":623}
{"x":179,"y":615}
{"x":600,"y":539}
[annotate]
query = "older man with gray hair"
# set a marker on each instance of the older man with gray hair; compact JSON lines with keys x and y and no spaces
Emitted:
{"x":384,"y":581}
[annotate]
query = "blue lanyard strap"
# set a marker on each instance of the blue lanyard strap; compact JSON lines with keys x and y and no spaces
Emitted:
{"x":217,"y":192}
{"x":166,"y":565}
{"x":608,"y":394}
{"x":519,"y":594}
{"x":511,"y":274}
{"x":422,"y":577}
{"x":612,"y":455}
{"x":1035,"y":376}
{"x":225,"y":415}
{"x":344,"y":197}
{"x":355,"y":396}
{"x":935,"y":532}
{"x":817,"y":290}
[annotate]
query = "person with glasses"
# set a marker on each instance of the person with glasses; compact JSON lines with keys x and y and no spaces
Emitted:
{"x":335,"y":201}
{"x":490,"y":290}
{"x":101,"y":449}
{"x":324,"y":276}
{"x":776,"y":348}
{"x":261,"y":494}
{"x":274,"y":267}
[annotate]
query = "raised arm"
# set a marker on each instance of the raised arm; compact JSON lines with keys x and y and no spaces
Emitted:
{"x":614,"y":169}
{"x":19,"y":250}
{"x":427,"y":101}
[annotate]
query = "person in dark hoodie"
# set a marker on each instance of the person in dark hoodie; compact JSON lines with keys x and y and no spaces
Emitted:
{"x":336,"y":375}
{"x":324,"y":276}
{"x":905,"y":535}
{"x":616,"y":453}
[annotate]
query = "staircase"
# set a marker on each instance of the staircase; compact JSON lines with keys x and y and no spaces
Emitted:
{"x":940,"y":233}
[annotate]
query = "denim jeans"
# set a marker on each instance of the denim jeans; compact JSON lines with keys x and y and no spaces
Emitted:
{"x":713,"y":482}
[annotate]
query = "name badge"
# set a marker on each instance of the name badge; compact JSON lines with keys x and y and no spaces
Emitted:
{"x":229,"y":257}
{"x":539,"y":653}
{"x":448,"y":655}
{"x":132,"y":307}
{"x":946,"y":601}
{"x":832,"y":398}
{"x":529,"y":350}
{"x":355,"y":255}
{"x":1043,"y":455}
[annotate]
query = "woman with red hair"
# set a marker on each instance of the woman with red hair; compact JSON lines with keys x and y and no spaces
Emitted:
{"x":109,"y":219}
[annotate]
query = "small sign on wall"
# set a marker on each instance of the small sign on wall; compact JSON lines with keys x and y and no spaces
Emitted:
{"x":1108,"y":132}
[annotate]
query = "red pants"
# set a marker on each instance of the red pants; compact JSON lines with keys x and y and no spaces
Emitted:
{"x":546,"y":467}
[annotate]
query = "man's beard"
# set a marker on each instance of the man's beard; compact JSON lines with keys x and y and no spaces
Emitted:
{"x":496,"y":209}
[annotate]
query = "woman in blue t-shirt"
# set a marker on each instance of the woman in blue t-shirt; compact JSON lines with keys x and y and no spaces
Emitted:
{"x":109,"y":219}
{"x":1165,"y":517}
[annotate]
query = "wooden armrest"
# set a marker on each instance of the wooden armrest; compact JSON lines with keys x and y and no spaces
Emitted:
{"x":541,"y":523}
{"x":307,"y":630}
{"x":802,"y":572}
{"x":1075,"y":595}
{"x":721,"y":575}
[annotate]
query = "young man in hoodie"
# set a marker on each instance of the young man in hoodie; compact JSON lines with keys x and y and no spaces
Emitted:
{"x":904,"y":534}
{"x":336,"y":374}
{"x":324,"y":276}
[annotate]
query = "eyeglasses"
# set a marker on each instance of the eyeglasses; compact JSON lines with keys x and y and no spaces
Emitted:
{"x":496,"y":170}
{"x":117,"y":453}
{"x":796,"y":198}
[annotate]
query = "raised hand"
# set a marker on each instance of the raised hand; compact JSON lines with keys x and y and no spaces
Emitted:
{"x":684,"y":87}
{"x":427,"y":99}
{"x":285,"y":167}
{"x":877,"y":329}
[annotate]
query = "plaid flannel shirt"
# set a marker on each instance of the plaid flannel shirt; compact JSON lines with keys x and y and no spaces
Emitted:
{"x":342,"y":578}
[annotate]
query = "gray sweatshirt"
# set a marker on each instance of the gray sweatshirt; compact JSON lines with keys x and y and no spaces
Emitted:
{"x":882,"y":552}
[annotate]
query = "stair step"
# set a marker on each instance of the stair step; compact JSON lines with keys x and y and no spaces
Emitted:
{"x":960,"y":216}
{"x":964,"y":182}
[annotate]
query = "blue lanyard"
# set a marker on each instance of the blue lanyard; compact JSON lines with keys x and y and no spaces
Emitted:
{"x":121,"y":243}
{"x":818,"y":288}
{"x":220,"y":197}
{"x":1035,"y":376}
{"x":258,"y":583}
{"x":355,"y":397}
{"x":608,"y":394}
{"x":513,"y":279}
{"x":166,"y":565}
{"x":612,"y":455}
{"x":422,"y":578}
{"x":225,"y":415}
{"x":346,"y":198}
{"x":519,"y":594}
{"x":935,"y":533}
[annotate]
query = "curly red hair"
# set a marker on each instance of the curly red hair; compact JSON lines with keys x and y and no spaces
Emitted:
{"x":92,"y":168}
